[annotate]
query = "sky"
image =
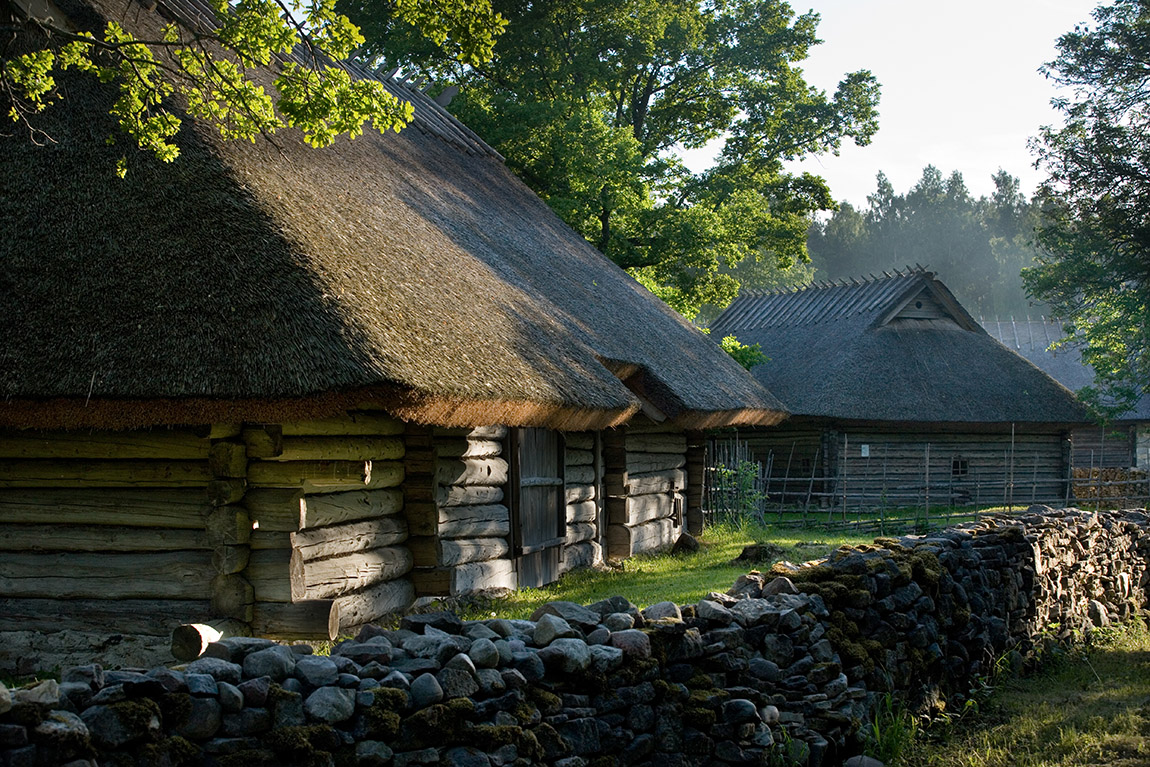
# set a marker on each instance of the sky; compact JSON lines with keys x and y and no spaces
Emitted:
{"x":960,"y":86}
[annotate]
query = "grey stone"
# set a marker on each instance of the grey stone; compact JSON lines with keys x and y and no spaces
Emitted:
{"x":170,"y":679}
{"x":601,"y":635}
{"x":316,"y":670}
{"x":752,"y":612}
{"x":277,"y":662}
{"x":551,"y":627}
{"x":822,"y":651}
{"x":863,"y":761}
{"x":365,"y":652}
{"x":461,"y":662}
{"x":330,"y":704}
{"x":443,"y":620}
{"x":231,"y":699}
{"x":618,"y":621}
{"x":201,"y":684}
{"x":779,"y":585}
{"x":1097,"y":613}
{"x":478,"y":630}
{"x":761,"y":668}
{"x":396,"y":680}
{"x":513,"y":678}
{"x":78,"y":694}
{"x":615,"y":604}
{"x":740,"y":711}
{"x":457,"y":683}
{"x":490,"y":681}
{"x":113,"y":693}
{"x":566,"y":654}
{"x":464,"y":756}
{"x":769,"y":714}
{"x":364,"y":699}
{"x":112,"y":726}
{"x":663,"y":611}
{"x":287,"y":710}
{"x":581,"y":734}
{"x":291,"y":684}
{"x":634,"y":643}
{"x":245,"y":723}
{"x":220,"y":670}
{"x":484,"y":653}
{"x":372,"y":753}
{"x":605,"y":659}
{"x":203,"y":720}
{"x":46,"y":693}
{"x":5,"y":699}
{"x":91,"y":675}
{"x":501,"y":626}
{"x":408,"y":758}
{"x":373,"y":670}
{"x":63,"y":728}
{"x":241,"y":647}
{"x":713,"y":611}
{"x":255,"y":691}
{"x":529,"y":664}
{"x":21,"y":757}
{"x":425,"y":690}
{"x":573,"y":614}
{"x":505,"y":651}
{"x":13,"y":736}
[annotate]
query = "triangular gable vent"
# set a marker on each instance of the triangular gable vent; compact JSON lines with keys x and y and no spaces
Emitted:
{"x":923,"y":306}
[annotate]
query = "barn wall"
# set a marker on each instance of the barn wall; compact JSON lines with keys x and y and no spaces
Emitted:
{"x":646,"y":484}
{"x":583,"y":471}
{"x":1096,"y":447}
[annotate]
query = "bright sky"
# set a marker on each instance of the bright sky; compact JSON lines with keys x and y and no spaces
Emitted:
{"x":960,"y":86}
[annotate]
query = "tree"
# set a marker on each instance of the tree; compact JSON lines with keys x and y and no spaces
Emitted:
{"x":590,"y":101}
{"x":1094,"y":269}
{"x":216,"y":72}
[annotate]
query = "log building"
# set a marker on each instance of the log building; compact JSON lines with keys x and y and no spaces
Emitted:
{"x":900,"y":398}
{"x":298,"y":388}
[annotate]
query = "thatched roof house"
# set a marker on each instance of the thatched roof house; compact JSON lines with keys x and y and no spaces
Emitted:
{"x":1125,"y":442}
{"x":388,"y":357}
{"x":867,"y":363}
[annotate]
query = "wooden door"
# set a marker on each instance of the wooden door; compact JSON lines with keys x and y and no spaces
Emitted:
{"x":538,"y":505}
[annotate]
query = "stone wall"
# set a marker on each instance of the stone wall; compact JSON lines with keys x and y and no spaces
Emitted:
{"x":786,"y":665}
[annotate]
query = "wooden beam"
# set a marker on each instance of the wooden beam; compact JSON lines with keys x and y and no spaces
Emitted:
{"x":640,"y":463}
{"x":472,"y":472}
{"x":340,"y":575}
{"x":146,"y":617}
{"x":351,"y":537}
{"x":339,"y":449}
{"x":341,"y":508}
{"x":153,"y":508}
{"x":102,"y":575}
{"x":120,"y":445}
{"x":374,"y":603}
{"x":326,"y":476}
{"x":228,"y":459}
{"x":62,"y":537}
{"x":352,"y":424}
{"x":474,"y":521}
{"x":310,"y":619}
{"x":461,"y":447}
{"x":96,"y":473}
{"x":462,"y":551}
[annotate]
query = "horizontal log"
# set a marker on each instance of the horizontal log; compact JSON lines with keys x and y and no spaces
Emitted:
{"x":314,"y":543}
{"x":482,"y":576}
{"x":274,"y":508}
{"x":270,"y":539}
{"x":351,"y":424}
{"x":479,"y":432}
{"x":101,"y":575}
{"x":228,"y":460}
{"x":312,"y":619}
{"x":577,"y":493}
{"x":644,"y":425}
{"x":461,"y":447}
{"x":144,"y":617}
{"x":582,"y":554}
{"x":580,"y":475}
{"x":337,"y":576}
{"x":579,"y":532}
{"x":572,"y":457}
{"x":58,"y":473}
{"x":339,"y":449}
{"x":641,"y":463}
{"x":639,"y":509}
{"x":462,"y":551}
{"x":474,"y":521}
{"x":472,"y":471}
{"x":373,"y":603}
{"x":623,"y":541}
{"x":340,"y":508}
{"x":468,"y":495}
{"x":35,"y":538}
{"x":157,"y":444}
{"x":656,"y":443}
{"x":275,"y":574}
{"x":656,"y":482}
{"x":579,"y":440}
{"x":583,"y":511}
{"x":326,"y":476}
{"x":154,"y":508}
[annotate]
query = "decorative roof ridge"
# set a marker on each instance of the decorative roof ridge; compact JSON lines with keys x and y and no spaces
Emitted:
{"x":918,"y":270}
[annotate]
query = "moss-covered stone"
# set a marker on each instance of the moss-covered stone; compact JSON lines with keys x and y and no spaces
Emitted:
{"x":699,"y":717}
{"x":549,"y":703}
{"x":308,"y":746}
{"x":175,"y":707}
{"x":169,"y":752}
{"x":252,"y":757}
{"x":442,"y":724}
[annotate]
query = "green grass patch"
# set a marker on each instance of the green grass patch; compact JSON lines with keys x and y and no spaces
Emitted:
{"x":1089,"y":708}
{"x":683,"y":579}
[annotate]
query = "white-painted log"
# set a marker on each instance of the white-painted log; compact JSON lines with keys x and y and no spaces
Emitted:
{"x":104,"y":575}
{"x":335,"y":540}
{"x":472,"y":471}
{"x":337,"y":576}
{"x":577,"y":493}
{"x":583,"y":511}
{"x":461,"y":447}
{"x":339,"y":508}
{"x":474,"y":521}
{"x":167,"y":444}
{"x":579,"y":532}
{"x":656,"y":443}
{"x":468,"y":495}
{"x":351,"y":424}
{"x":580,"y":475}
{"x":573,"y":457}
{"x":481,"y":576}
{"x":375,"y":602}
{"x":645,"y":463}
{"x":462,"y":551}
{"x":656,"y":482}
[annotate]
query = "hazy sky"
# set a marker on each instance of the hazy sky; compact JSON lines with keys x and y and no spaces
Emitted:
{"x":960,"y":86}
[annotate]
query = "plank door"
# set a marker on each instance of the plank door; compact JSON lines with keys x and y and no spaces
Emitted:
{"x":538,"y":505}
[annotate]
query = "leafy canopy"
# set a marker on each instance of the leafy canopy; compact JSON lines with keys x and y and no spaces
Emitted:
{"x":591,"y":102}
{"x":1094,"y":268}
{"x":214,"y":72}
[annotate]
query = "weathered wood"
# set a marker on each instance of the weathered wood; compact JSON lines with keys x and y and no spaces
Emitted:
{"x":479,"y":432}
{"x":264,"y":441}
{"x":580,"y":475}
{"x":422,"y":517}
{"x":189,"y":640}
{"x":481,"y":576}
{"x":326,"y":476}
{"x":96,"y":473}
{"x":623,"y":541}
{"x":696,"y":467}
{"x":347,"y":538}
{"x":583,"y":511}
{"x":580,"y":493}
{"x":572,"y":457}
{"x":157,"y":444}
{"x":424,"y":551}
{"x":221,"y":492}
{"x":639,"y":509}
{"x":374,"y":603}
{"x":135,"y":575}
{"x":232,"y":597}
{"x":474,"y":521}
{"x":579,"y":532}
{"x":230,"y":559}
{"x":274,"y":508}
{"x":310,"y":619}
{"x":461,"y":447}
{"x":643,"y":425}
{"x":270,"y":539}
{"x":339,"y":449}
{"x":462,"y":551}
{"x":656,"y":482}
{"x":340,"y":508}
{"x":228,"y":525}
{"x":579,"y":440}
{"x":145,"y":617}
{"x":37,"y":538}
{"x":155,"y":508}
{"x":275,"y":574}
{"x":582,"y":554}
{"x":469,"y":495}
{"x":337,"y":576}
{"x":472,"y":471}
{"x":352,"y":424}
{"x":228,"y":460}
{"x":429,"y":582}
{"x":656,"y":442}
{"x":642,"y":463}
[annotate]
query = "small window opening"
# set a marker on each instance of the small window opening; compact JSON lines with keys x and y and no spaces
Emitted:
{"x":959,"y":466}
{"x":918,"y":304}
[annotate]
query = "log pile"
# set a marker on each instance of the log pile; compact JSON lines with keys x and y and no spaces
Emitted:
{"x":582,"y":547}
{"x":1112,"y":487}
{"x":648,"y":511}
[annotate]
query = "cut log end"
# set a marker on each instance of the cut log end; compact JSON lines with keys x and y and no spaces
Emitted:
{"x":189,"y":640}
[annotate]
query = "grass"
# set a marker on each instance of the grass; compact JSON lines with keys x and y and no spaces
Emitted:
{"x":1088,"y":709}
{"x":683,"y":579}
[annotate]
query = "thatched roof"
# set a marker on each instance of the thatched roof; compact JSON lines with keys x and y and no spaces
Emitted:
{"x":1033,"y":338}
{"x":266,"y":281}
{"x":898,"y":348}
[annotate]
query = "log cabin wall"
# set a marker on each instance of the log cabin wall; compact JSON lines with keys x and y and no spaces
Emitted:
{"x":115,"y":532}
{"x":328,"y":548}
{"x":645,"y":481}
{"x":461,"y":542}
{"x":1098,"y":447}
{"x":583,"y":462}
{"x":1142,"y":446}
